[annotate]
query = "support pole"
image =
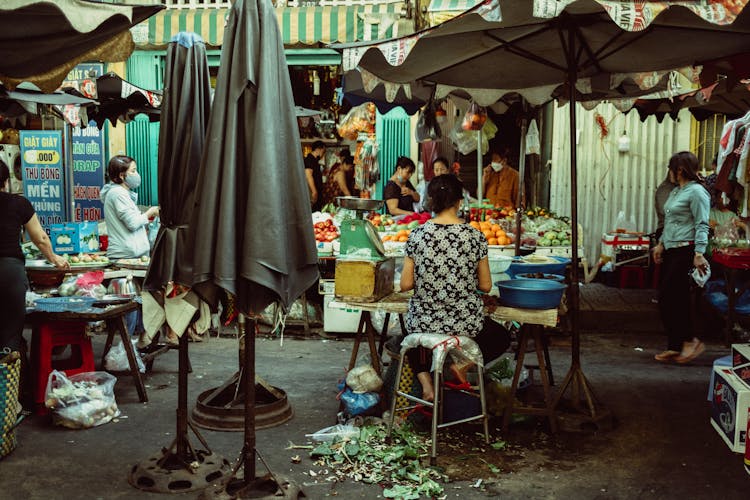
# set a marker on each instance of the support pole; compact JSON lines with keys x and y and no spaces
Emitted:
{"x":480,"y":184}
{"x":248,"y":451}
{"x":182,"y":403}
{"x":521,"y":185}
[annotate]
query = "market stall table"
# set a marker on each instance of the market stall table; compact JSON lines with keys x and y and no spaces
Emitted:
{"x":114,"y":317}
{"x":533,"y":322}
{"x":735,"y":264}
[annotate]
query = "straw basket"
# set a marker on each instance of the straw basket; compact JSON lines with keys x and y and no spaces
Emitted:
{"x":10,"y":374}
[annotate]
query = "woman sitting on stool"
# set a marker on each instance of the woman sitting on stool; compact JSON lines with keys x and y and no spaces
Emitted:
{"x":447,"y":267}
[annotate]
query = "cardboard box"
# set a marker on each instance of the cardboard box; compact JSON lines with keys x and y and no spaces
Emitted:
{"x":743,"y":373}
{"x":74,"y":237}
{"x":336,"y":319}
{"x":740,"y":354}
{"x":729,"y":408}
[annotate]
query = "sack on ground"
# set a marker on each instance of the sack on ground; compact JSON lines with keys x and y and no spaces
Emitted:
{"x":116,"y":359}
{"x":83,"y":400}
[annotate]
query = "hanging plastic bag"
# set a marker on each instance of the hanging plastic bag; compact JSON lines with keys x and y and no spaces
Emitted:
{"x":427,"y":128}
{"x":474,"y":118}
{"x":359,"y":119}
{"x":116,"y":359}
{"x":532,"y":139}
{"x":83,"y":400}
{"x":153,"y":230}
{"x":465,"y":141}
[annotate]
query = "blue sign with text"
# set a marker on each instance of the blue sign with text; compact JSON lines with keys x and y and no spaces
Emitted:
{"x":41,"y":164}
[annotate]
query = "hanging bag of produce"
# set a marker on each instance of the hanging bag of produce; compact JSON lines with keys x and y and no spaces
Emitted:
{"x":474,"y":118}
{"x":427,"y":128}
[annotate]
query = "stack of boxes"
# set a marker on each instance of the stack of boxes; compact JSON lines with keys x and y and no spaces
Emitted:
{"x":730,"y":403}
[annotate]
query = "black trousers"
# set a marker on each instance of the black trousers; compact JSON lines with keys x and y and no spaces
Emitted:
{"x":675,"y":299}
{"x":12,"y":302}
{"x":493,"y":341}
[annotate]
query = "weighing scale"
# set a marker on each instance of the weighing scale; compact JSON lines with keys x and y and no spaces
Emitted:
{"x":363,"y":272}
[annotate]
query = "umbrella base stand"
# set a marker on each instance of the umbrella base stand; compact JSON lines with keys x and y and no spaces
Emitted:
{"x":269,"y":486}
{"x":582,"y":411}
{"x":166,"y":472}
{"x":223,"y":408}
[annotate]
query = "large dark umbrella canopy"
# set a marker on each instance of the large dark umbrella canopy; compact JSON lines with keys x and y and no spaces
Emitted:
{"x":518,"y":44}
{"x":41,"y":40}
{"x":182,"y":135}
{"x":252,"y":228}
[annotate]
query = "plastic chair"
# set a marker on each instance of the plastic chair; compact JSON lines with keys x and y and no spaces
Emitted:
{"x":437,"y":405}
{"x":44,"y":341}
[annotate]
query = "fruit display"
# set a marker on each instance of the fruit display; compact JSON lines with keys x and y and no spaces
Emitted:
{"x":325,"y":231}
{"x":494,"y":234}
{"x":381,"y":222}
{"x":86,"y":259}
{"x":486,"y":213}
{"x":401,"y":236}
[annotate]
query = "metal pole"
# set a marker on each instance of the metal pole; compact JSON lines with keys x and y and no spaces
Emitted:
{"x":69,"y":175}
{"x":574,"y":290}
{"x":249,"y":382}
{"x":521,"y":185}
{"x":182,"y":396}
{"x":480,"y":184}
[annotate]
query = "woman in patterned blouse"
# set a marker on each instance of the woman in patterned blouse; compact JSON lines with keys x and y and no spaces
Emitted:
{"x":447,"y":267}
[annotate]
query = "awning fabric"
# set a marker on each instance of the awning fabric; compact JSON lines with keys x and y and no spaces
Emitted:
{"x":299,"y":25}
{"x":440,"y":11}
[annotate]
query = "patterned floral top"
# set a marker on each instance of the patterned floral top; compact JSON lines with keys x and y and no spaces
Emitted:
{"x":445,"y":297}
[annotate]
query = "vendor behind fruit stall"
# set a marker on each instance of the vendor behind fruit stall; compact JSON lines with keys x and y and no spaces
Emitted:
{"x":314,"y":175}
{"x":399,"y":193}
{"x":500,"y":180}
{"x":339,"y":183}
{"x":126,"y":225}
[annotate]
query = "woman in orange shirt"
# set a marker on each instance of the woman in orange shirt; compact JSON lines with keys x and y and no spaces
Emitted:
{"x":500,"y":181}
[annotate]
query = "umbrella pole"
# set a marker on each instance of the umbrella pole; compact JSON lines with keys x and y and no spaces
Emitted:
{"x":521,"y":186}
{"x":480,"y":184}
{"x":575,"y":380}
{"x":180,"y":467}
{"x":248,"y":380}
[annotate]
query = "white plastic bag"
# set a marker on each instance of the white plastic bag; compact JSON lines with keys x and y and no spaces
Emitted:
{"x":532,"y":139}
{"x":116,"y":359}
{"x":363,"y":379}
{"x":339,"y":431}
{"x":83,"y":400}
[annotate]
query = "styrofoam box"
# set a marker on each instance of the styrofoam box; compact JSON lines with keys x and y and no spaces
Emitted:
{"x":730,"y":402}
{"x":74,"y":237}
{"x":740,"y":354}
{"x":337,"y":319}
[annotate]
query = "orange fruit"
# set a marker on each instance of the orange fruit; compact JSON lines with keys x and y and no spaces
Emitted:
{"x":403,"y":239}
{"x":387,"y":238}
{"x":500,"y":233}
{"x":474,"y":224}
{"x":484,"y":225}
{"x":488,"y":234}
{"x":492,"y":241}
{"x":504,"y":240}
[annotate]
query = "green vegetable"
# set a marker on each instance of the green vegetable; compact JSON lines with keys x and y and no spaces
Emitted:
{"x":412,"y":224}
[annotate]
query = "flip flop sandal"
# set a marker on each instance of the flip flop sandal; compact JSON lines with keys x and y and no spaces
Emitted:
{"x":667,"y":356}
{"x":697,"y":351}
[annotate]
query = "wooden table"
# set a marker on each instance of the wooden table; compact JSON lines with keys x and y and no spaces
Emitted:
{"x":533,"y":322}
{"x":114,"y":317}
{"x":735,"y":269}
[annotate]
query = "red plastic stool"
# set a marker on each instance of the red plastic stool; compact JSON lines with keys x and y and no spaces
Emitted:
{"x":632,"y":277}
{"x":45,"y":338}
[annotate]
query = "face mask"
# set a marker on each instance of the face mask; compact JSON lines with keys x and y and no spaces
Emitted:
{"x":133,"y":180}
{"x":496,"y":166}
{"x":400,"y":179}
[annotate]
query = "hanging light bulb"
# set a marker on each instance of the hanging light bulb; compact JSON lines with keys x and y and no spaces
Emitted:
{"x":623,"y":143}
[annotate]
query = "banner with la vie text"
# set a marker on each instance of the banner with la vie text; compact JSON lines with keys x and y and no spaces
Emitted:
{"x":87,"y":148}
{"x":41,"y":165}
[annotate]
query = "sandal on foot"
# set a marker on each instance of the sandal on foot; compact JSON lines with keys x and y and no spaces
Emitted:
{"x":666,"y":356}
{"x":687,"y":358}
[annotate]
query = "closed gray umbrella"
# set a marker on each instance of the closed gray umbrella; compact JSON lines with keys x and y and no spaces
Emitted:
{"x":184,"y":120}
{"x":253,"y":234}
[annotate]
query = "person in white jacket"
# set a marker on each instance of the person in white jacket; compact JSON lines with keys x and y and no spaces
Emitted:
{"x":126,"y":225}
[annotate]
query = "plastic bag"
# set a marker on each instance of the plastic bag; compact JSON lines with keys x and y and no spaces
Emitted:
{"x":68,"y":288}
{"x":623,"y":224}
{"x":466,"y":141}
{"x":83,"y":400}
{"x":474,"y":118}
{"x":359,"y":119}
{"x":90,"y":285}
{"x":116,"y":359}
{"x":427,"y":128}
{"x":338,"y":431}
{"x":363,"y":379}
{"x":532,"y":139}
{"x":153,"y":230}
{"x":357,"y":404}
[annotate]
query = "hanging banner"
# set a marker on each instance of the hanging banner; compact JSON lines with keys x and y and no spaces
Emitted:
{"x":87,"y":146}
{"x":41,"y":165}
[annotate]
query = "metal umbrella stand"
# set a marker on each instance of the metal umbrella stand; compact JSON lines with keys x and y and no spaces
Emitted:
{"x":179,"y":467}
{"x":251,"y":223}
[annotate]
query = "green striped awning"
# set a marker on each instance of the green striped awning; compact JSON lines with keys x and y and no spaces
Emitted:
{"x":299,"y":25}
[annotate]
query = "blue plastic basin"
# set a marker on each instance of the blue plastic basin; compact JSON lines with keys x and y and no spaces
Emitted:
{"x":531,"y":294}
{"x":519,"y":266}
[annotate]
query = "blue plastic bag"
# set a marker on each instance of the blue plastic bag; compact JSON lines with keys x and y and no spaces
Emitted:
{"x":357,"y":404}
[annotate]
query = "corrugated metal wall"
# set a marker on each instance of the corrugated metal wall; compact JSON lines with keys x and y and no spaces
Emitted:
{"x":609,"y":181}
{"x":393,"y":133}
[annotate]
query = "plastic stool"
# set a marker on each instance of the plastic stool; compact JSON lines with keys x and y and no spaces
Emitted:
{"x":437,"y":405}
{"x":44,"y":339}
{"x":632,"y":277}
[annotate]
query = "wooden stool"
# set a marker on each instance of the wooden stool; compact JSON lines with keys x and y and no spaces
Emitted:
{"x":437,"y":404}
{"x":547,"y":410}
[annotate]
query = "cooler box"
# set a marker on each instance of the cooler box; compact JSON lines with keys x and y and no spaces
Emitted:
{"x":633,"y":244}
{"x":336,"y":319}
{"x":729,"y":408}
{"x":74,"y":237}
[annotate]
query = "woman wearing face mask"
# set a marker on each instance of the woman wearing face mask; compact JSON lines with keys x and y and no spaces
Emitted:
{"x":126,"y":225}
{"x":680,"y":249}
{"x":399,"y":192}
{"x":338,"y":180}
{"x":500,"y":181}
